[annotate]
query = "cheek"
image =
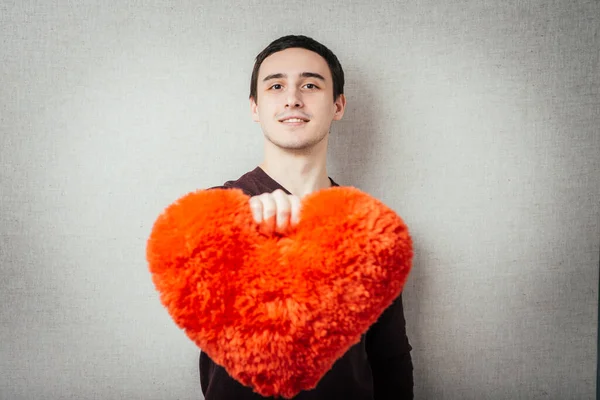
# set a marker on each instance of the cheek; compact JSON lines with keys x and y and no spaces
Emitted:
{"x":267,"y":108}
{"x":326,"y":110}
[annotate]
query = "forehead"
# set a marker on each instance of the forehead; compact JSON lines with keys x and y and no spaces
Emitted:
{"x":293,"y":62}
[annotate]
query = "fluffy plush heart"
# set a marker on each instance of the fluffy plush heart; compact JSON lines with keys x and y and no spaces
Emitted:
{"x":278,"y":310}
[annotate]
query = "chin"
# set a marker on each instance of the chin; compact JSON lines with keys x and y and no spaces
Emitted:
{"x":284,"y":141}
{"x":296,"y":146}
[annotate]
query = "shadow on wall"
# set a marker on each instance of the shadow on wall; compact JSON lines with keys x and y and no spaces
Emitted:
{"x":352,"y":142}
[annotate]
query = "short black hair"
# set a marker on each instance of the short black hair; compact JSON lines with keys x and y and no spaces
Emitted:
{"x":304,"y":42}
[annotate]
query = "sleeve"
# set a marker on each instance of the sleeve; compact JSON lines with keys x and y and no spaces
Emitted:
{"x":389,"y":356}
{"x":206,"y":367}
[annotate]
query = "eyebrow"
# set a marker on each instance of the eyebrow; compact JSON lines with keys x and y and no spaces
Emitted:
{"x":302,"y":75}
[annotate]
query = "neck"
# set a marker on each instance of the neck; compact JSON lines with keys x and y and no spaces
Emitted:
{"x":299,"y":171}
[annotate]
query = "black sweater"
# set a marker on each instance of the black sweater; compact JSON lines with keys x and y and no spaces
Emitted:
{"x":378,"y":367}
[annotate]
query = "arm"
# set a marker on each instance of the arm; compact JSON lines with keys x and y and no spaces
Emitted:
{"x":388,"y":351}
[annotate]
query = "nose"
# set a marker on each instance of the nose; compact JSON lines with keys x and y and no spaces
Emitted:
{"x":293,"y":99}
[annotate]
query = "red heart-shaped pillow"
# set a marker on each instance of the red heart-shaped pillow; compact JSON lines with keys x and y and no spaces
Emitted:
{"x":278,"y":310}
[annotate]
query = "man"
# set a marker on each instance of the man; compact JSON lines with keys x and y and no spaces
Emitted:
{"x":296,"y":91}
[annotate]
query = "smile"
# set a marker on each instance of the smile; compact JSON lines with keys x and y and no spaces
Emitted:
{"x":294,"y":121}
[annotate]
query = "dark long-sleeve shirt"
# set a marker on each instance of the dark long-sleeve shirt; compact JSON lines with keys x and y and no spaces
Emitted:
{"x":378,"y":367}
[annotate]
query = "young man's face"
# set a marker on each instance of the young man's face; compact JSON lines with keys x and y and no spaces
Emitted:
{"x":296,"y":83}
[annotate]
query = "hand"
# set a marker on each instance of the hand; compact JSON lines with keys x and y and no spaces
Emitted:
{"x":276,"y":212}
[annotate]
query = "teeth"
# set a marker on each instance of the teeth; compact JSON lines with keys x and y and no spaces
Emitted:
{"x":293,"y":120}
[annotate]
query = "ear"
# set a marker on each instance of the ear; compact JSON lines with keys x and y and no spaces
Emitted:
{"x":340,"y":106}
{"x":254,"y":110}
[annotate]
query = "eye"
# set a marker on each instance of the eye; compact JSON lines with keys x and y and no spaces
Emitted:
{"x":311,"y":86}
{"x":276,"y":86}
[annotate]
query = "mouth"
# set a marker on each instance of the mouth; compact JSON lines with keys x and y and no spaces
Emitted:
{"x":294,"y":121}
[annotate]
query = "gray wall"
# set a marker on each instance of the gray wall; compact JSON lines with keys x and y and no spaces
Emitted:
{"x":477,"y":121}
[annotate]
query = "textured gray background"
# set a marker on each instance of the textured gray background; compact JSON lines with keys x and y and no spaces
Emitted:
{"x":477,"y":121}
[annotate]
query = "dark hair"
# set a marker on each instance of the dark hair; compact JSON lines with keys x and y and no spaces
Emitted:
{"x":299,"y":41}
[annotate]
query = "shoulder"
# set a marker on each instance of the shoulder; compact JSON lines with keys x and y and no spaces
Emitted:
{"x":244,"y":182}
{"x":249,"y":183}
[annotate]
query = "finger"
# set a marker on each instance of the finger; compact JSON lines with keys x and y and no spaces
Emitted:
{"x":295,"y":209}
{"x":256,"y":206}
{"x":269,"y":211}
{"x":283,"y":210}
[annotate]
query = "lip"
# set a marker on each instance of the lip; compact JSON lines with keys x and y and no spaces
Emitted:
{"x":300,"y":123}
{"x":303,"y":120}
